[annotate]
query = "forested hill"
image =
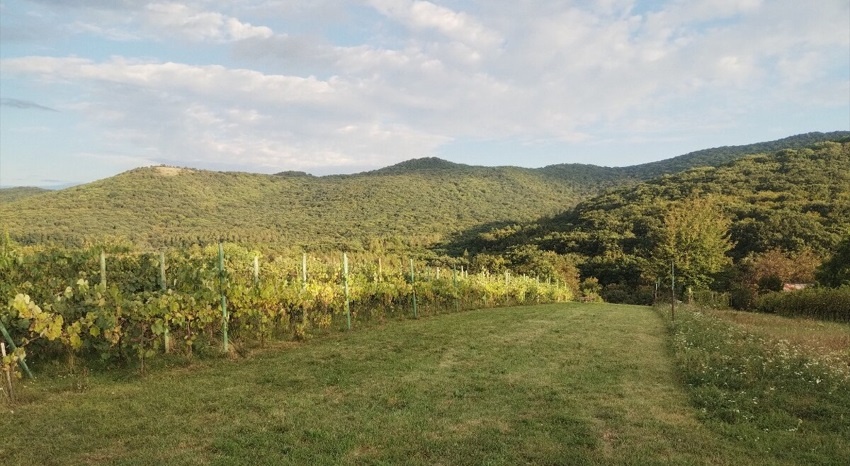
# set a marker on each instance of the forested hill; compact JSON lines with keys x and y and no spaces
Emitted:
{"x":163,"y":206}
{"x":14,"y":194}
{"x":587,"y":180}
{"x":416,"y":203}
{"x":592,"y":175}
{"x":791,"y":200}
{"x":721,"y":155}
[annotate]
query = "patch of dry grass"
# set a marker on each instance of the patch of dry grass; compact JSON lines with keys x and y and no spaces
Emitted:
{"x":825,"y":340}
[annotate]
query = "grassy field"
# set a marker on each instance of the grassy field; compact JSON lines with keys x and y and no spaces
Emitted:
{"x":555,"y":384}
{"x":821,"y":339}
{"x":779,"y":386}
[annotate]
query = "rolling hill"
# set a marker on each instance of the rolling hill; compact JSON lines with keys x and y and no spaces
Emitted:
{"x":14,"y":194}
{"x":594,"y":176}
{"x":164,"y":206}
{"x":796,"y":201}
{"x":416,"y":203}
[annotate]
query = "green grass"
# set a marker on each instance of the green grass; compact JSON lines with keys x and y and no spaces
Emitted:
{"x":555,"y":384}
{"x":829,"y":341}
{"x":787,"y":402}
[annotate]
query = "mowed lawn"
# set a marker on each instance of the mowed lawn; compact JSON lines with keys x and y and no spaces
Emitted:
{"x":555,"y":384}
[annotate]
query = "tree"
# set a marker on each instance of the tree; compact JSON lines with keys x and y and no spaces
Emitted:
{"x":695,"y":238}
{"x":836,"y":271}
{"x":767,"y":271}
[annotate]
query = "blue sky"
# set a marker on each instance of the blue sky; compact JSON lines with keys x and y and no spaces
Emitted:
{"x":91,"y":88}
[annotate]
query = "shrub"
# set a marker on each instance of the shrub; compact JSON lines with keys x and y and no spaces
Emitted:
{"x":818,"y":303}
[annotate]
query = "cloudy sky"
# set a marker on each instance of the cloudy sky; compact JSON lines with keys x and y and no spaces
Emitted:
{"x":91,"y":88}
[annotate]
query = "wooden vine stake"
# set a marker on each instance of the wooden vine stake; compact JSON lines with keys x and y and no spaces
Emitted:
{"x":345,"y":284}
{"x":103,"y":268}
{"x":224,"y":318}
{"x":304,"y":270}
{"x":672,"y":291}
{"x":413,"y":286}
{"x":163,"y":286}
{"x":12,"y":346}
{"x":456,"y":290}
{"x":8,"y":371}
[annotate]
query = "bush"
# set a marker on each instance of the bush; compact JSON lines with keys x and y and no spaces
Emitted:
{"x":742,"y":297}
{"x":818,"y":303}
{"x":624,"y":294}
{"x":616,"y":293}
{"x":770,"y":283}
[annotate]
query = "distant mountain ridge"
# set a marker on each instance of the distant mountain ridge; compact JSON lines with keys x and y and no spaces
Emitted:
{"x":713,"y":157}
{"x":717,"y":156}
{"x":166,"y":206}
{"x":415,"y":203}
{"x":593,"y":177}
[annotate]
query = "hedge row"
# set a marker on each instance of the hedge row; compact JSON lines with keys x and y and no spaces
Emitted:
{"x":819,"y":303}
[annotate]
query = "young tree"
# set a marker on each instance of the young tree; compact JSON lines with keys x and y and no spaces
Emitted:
{"x":694,"y":238}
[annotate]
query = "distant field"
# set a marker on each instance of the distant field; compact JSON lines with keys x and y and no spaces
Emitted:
{"x":555,"y":384}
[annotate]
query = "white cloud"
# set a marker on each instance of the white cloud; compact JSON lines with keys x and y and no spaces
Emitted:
{"x":212,"y":114}
{"x":182,"y":20}
{"x":194,"y":21}
{"x":109,"y":33}
{"x":423,"y":15}
{"x":404,"y":77}
{"x":175,"y":78}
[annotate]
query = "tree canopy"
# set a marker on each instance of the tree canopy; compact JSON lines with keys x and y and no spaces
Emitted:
{"x":835,"y":272}
{"x":695,"y":240}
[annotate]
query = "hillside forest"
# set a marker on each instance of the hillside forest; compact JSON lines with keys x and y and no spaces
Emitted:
{"x":742,"y":220}
{"x":746,"y":227}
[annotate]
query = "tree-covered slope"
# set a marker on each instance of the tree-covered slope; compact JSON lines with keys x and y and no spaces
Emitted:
{"x":596,"y":176}
{"x":14,"y":194}
{"x":721,"y":155}
{"x":415,"y":203}
{"x":789,"y":200}
{"x":171,"y":206}
{"x":792,"y":201}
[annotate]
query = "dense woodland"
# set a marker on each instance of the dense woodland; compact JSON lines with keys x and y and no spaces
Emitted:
{"x":785,"y":213}
{"x":414,"y":204}
{"x":13,"y":194}
{"x":778,"y":210}
{"x":173,"y":207}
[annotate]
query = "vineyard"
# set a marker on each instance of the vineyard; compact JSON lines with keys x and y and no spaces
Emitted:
{"x":130,"y":307}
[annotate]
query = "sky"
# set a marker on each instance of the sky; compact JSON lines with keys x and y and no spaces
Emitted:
{"x":92,"y":88}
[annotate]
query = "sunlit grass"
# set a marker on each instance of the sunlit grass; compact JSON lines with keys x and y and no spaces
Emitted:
{"x":555,"y":384}
{"x":784,"y":401}
{"x":819,"y":338}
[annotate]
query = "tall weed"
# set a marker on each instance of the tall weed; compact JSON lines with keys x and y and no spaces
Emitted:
{"x":767,"y":393}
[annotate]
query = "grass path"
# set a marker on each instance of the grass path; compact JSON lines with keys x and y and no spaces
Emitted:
{"x":554,"y":384}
